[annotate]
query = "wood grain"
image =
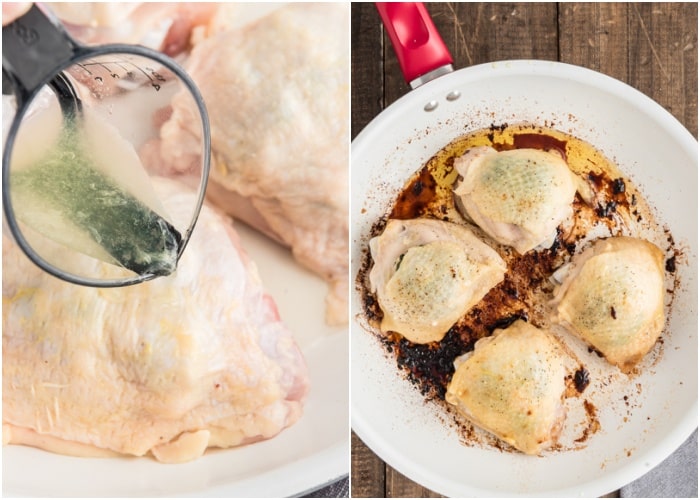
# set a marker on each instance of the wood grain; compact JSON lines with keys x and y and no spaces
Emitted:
{"x":663,"y":55}
{"x":650,"y":46}
{"x":367,"y":63}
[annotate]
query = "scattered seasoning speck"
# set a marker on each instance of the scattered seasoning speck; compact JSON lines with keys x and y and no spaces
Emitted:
{"x":428,"y":193}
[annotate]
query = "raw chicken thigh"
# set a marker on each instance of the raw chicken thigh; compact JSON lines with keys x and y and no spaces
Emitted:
{"x":277,"y":93}
{"x":518,"y":197}
{"x":612,"y":297}
{"x":427,"y":274}
{"x":513,"y":385}
{"x":194,"y":360}
{"x":164,"y":26}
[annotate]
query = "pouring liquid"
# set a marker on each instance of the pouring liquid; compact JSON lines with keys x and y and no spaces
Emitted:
{"x":86,"y":189}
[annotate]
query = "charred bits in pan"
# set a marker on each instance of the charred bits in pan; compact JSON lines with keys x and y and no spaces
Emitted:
{"x":613,"y":205}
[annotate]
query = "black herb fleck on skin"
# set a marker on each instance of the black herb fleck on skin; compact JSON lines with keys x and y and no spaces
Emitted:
{"x":613,"y":313}
{"x":399,"y":261}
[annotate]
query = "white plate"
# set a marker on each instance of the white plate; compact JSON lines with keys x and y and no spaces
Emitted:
{"x":311,"y":453}
{"x":649,"y":146}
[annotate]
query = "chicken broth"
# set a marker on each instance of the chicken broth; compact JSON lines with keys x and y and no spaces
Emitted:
{"x":85,"y":188}
{"x":607,"y":203}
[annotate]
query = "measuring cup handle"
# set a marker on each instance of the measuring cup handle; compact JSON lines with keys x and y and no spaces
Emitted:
{"x":34,"y":46}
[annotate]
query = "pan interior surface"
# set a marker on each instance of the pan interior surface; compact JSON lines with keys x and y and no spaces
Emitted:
{"x":653,"y":150}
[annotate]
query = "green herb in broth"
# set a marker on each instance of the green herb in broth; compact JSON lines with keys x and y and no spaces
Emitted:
{"x":70,"y":186}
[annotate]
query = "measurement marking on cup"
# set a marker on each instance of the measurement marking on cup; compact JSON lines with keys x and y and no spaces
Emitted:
{"x":154,"y":77}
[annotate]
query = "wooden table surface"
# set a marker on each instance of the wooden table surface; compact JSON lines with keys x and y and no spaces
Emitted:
{"x":650,"y":46}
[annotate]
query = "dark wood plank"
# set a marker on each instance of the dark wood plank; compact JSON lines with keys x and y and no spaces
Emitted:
{"x":476,"y":33}
{"x":366,"y":90}
{"x":663,"y":55}
{"x":368,"y":471}
{"x":650,"y":46}
{"x":399,"y":486}
{"x":595,"y":36}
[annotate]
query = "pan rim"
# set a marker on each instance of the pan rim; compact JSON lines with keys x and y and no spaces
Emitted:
{"x":643,"y":461}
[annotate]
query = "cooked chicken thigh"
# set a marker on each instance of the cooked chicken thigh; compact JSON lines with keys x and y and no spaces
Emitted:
{"x":518,"y":197}
{"x":194,"y":360}
{"x":513,"y":385}
{"x":427,"y":274}
{"x":277,"y":92}
{"x":613,"y":298}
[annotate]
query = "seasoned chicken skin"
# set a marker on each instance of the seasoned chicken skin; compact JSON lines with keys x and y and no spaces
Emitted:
{"x":518,"y":197}
{"x":513,"y":386}
{"x":164,"y":26}
{"x":277,"y":93}
{"x":172,"y":366}
{"x":612,"y":297}
{"x":428,"y":273}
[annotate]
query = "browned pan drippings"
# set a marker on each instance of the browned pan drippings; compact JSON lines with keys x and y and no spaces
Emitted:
{"x":614,"y":206}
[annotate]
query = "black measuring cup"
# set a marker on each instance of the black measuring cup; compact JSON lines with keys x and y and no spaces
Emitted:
{"x":80,"y":197}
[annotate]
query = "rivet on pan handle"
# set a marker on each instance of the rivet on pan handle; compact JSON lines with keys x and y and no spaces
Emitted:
{"x":421,"y":52}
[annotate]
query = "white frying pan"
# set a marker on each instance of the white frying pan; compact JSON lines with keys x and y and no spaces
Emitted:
{"x":653,"y":149}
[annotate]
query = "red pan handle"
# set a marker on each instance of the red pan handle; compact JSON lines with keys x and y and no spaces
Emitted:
{"x":419,"y":48}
